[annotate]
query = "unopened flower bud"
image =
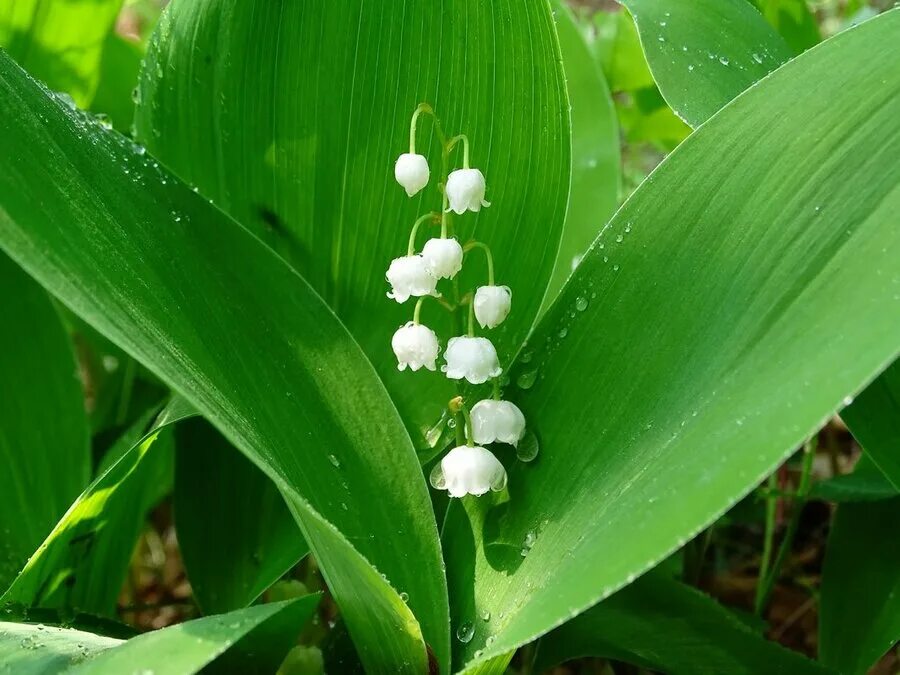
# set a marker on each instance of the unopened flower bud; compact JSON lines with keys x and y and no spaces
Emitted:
{"x":492,"y":304}
{"x":411,"y":171}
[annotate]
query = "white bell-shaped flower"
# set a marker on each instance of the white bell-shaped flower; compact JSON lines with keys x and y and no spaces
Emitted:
{"x":492,"y":304}
{"x":471,"y":471}
{"x":415,"y":346}
{"x":472,"y":358}
{"x":412,"y":172}
{"x":409,"y":276}
{"x":465,"y":190}
{"x":443,"y":257}
{"x":497,"y":421}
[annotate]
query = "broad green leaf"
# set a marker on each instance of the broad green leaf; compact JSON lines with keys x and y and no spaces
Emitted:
{"x":223,"y":321}
{"x":866,"y":483}
{"x":59,"y":41}
{"x":859,"y":616}
{"x":595,"y":150}
{"x":726,"y":311}
{"x":240,"y":98}
{"x":874,"y":420}
{"x":44,"y":448}
{"x":706,"y":52}
{"x":117,"y":86}
{"x":227,"y":641}
{"x":235,"y":533}
{"x":662,"y":625}
{"x":83,"y":562}
{"x":36,"y":649}
{"x":617,"y":48}
{"x":793,"y":20}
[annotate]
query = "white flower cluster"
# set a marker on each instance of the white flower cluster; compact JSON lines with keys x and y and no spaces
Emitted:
{"x":466,"y":469}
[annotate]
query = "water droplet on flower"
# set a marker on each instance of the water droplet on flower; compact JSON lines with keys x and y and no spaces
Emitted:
{"x":436,"y":478}
{"x":499,"y":482}
{"x":526,"y":379}
{"x":581,"y":303}
{"x":465,"y":632}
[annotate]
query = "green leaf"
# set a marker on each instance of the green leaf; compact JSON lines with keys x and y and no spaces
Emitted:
{"x":704,"y":53}
{"x":874,"y":420}
{"x":118,"y":80}
{"x":83,"y":562}
{"x":59,"y":41}
{"x":695,"y":347}
{"x":36,"y":649}
{"x":866,"y":483}
{"x":230,"y":102}
{"x":264,"y":631}
{"x":42,"y":421}
{"x":235,"y":533}
{"x":661,"y":624}
{"x":793,"y":20}
{"x":860,"y":603}
{"x":222,"y":320}
{"x":595,"y":150}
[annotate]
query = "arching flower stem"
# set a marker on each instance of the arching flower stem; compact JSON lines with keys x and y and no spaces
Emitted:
{"x":487,"y":252}
{"x":428,"y":110}
{"x":465,"y":142}
{"x":411,"y":249}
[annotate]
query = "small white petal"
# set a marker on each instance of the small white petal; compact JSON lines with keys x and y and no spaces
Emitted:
{"x":492,"y":304}
{"x":409,"y":276}
{"x":415,"y":346}
{"x":472,"y":358}
{"x":412,"y":172}
{"x":472,"y":471}
{"x":465,"y":190}
{"x":497,"y":421}
{"x":443,"y":257}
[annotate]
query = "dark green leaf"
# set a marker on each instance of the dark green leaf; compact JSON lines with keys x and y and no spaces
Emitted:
{"x":726,"y":311}
{"x":874,"y":420}
{"x":222,"y":320}
{"x":235,"y":533}
{"x":793,"y":20}
{"x":42,"y":421}
{"x":663,"y":625}
{"x":83,"y":562}
{"x":860,"y":602}
{"x":866,"y":483}
{"x":59,"y":41}
{"x":230,"y":101}
{"x":116,"y":90}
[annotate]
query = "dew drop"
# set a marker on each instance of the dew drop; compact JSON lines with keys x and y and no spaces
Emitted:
{"x":848,"y":400}
{"x":528,"y":448}
{"x":436,"y":477}
{"x":334,"y":461}
{"x":723,"y":60}
{"x":465,"y":632}
{"x":563,"y":332}
{"x":619,"y":238}
{"x":486,"y":616}
{"x":757,"y":57}
{"x":615,"y":268}
{"x":404,"y":596}
{"x":526,"y":380}
{"x":581,"y":303}
{"x":499,"y":482}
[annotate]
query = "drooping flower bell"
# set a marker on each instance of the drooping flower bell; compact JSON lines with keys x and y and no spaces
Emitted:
{"x":469,"y":470}
{"x":497,"y":421}
{"x":415,"y":346}
{"x":465,"y":190}
{"x":492,"y":304}
{"x":472,"y":358}
{"x":411,"y":171}
{"x":443,"y":257}
{"x":409,"y":276}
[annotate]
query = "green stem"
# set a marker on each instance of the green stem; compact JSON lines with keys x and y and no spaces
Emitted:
{"x":809,"y":454}
{"x":768,"y":540}
{"x":487,"y":252}
{"x":127,"y":388}
{"x":445,"y":201}
{"x":471,"y":317}
{"x":418,"y":309}
{"x":465,"y":142}
{"x":496,"y":384}
{"x":428,"y":110}
{"x":411,"y":249}
{"x":465,"y":412}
